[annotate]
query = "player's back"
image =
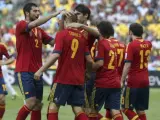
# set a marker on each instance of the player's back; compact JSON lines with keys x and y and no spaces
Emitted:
{"x":71,"y":64}
{"x":139,"y":50}
{"x":107,"y":75}
{"x":120,"y":49}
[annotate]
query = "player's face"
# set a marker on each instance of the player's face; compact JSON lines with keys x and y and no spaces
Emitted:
{"x":34,"y":13}
{"x":80,"y":17}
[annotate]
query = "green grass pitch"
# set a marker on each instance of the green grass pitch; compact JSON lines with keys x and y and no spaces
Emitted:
{"x":12,"y":106}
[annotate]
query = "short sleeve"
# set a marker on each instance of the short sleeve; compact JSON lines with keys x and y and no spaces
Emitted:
{"x":58,"y":47}
{"x":100,"y":51}
{"x":129,"y":53}
{"x":46,"y":39}
{"x":22,"y":27}
{"x":5,"y":52}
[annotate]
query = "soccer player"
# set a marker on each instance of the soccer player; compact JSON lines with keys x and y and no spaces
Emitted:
{"x":68,"y":86}
{"x":29,"y":39}
{"x":3,"y":92}
{"x":108,"y":89}
{"x":120,"y":50}
{"x":136,"y":94}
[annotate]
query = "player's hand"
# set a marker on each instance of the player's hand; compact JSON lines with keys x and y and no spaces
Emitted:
{"x":75,"y":25}
{"x":66,"y":13}
{"x":37,"y":75}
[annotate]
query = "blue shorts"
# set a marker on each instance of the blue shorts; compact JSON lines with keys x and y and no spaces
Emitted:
{"x":63,"y":93}
{"x":3,"y":89}
{"x":29,"y":86}
{"x":89,"y":85}
{"x":109,"y":97}
{"x":137,"y":98}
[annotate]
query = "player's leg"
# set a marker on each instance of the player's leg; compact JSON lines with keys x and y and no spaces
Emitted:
{"x":108,"y":114}
{"x":98,"y":98}
{"x":113,"y":103}
{"x":36,"y":112}
{"x":3,"y":92}
{"x":76,"y":100}
{"x":58,"y":96}
{"x":142,"y":102}
{"x":27,"y":87}
{"x":8,"y":84}
{"x":128,"y":103}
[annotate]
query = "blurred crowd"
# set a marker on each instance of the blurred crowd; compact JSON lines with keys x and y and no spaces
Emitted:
{"x":120,"y":12}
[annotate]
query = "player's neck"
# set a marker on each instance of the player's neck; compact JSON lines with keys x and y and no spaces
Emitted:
{"x":27,"y":19}
{"x":136,"y":37}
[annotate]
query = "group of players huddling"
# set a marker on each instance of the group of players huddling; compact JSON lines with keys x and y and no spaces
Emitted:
{"x":85,"y":81}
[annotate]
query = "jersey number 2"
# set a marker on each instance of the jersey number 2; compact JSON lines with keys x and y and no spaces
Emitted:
{"x":74,"y":47}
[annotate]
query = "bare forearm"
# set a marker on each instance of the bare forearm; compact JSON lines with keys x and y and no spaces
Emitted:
{"x":125,"y":72}
{"x":51,"y":60}
{"x":92,"y":31}
{"x":41,"y":20}
{"x":8,"y":61}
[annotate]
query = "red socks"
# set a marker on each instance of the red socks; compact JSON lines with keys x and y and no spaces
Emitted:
{"x":131,"y":114}
{"x":99,"y":116}
{"x":142,"y":117}
{"x":23,"y":113}
{"x":118,"y":117}
{"x":52,"y":116}
{"x":36,"y":115}
{"x":2,"y":110}
{"x":108,"y":114}
{"x":81,"y":116}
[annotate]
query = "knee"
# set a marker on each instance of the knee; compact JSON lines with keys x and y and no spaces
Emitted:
{"x":139,"y":112}
{"x":31,"y":103}
{"x":114,"y":112}
{"x":53,"y":108}
{"x":38,"y":105}
{"x":76,"y":110}
{"x":2,"y":99}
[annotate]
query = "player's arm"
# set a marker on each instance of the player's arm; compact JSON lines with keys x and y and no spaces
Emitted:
{"x":91,"y":30}
{"x":51,"y":60}
{"x":7,"y":62}
{"x":9,"y":59}
{"x":99,"y":58}
{"x":128,"y":61}
{"x":126,"y":69}
{"x":42,"y":20}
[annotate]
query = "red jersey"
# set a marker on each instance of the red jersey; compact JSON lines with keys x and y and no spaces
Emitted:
{"x":29,"y":47}
{"x":3,"y":51}
{"x":138,"y":52}
{"x":90,"y":38}
{"x":120,"y":48}
{"x":107,"y":75}
{"x":71,"y":44}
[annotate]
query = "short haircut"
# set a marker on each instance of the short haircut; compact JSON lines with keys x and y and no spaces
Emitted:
{"x":105,"y":28}
{"x":136,"y":29}
{"x":73,"y":18}
{"x":83,"y":9}
{"x":28,"y":7}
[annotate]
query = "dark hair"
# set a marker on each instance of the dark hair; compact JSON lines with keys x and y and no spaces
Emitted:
{"x":28,"y":7}
{"x":136,"y":29}
{"x":83,"y":9}
{"x":106,"y":29}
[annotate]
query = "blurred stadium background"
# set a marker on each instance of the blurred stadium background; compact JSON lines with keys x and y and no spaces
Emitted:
{"x":120,"y":12}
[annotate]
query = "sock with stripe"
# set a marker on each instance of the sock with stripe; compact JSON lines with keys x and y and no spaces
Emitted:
{"x":131,"y":115}
{"x":118,"y":117}
{"x":2,"y":110}
{"x":92,"y":116}
{"x":36,"y":115}
{"x":142,"y":117}
{"x":81,"y":116}
{"x":23,"y":113}
{"x":52,"y":116}
{"x":108,"y":114}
